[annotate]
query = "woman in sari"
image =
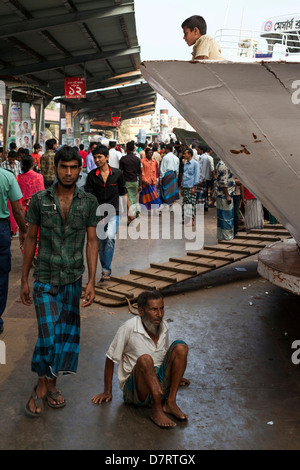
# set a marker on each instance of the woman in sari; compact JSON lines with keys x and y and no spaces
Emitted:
{"x":149,"y":196}
{"x":30,"y":182}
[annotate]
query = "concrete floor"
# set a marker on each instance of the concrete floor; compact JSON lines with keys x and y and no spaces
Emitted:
{"x":239,"y":329}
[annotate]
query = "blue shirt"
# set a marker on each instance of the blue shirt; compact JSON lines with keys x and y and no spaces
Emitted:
{"x":90,"y":162}
{"x":191,"y":171}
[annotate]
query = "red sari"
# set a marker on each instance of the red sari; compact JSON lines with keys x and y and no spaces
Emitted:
{"x":30,"y":183}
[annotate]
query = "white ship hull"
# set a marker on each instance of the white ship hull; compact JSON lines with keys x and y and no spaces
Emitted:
{"x":248,"y":113}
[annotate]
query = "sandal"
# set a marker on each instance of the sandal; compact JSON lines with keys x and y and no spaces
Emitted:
{"x":54,"y":396}
{"x":38,"y":402}
{"x":105,"y":277}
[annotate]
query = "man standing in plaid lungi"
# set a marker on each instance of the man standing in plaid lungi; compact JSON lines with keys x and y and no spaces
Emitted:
{"x":190,"y":181}
{"x":64,"y":216}
{"x":225,"y":211}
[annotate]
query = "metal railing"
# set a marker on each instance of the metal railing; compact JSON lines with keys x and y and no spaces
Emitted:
{"x":247,"y":44}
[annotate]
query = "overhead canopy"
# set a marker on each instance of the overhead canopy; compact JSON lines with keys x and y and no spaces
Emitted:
{"x":42,"y":43}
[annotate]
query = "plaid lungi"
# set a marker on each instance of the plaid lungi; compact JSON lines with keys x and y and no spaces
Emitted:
{"x":254,"y":215}
{"x":188,"y":203}
{"x":130,"y":395}
{"x":202,"y":194}
{"x":225,"y":219}
{"x":58,"y":317}
{"x":169,"y":188}
{"x":149,"y":196}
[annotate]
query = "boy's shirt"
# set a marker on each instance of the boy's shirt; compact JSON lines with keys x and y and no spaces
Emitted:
{"x":206,"y":46}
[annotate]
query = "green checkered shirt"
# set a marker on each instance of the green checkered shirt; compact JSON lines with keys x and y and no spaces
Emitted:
{"x":47,"y":165}
{"x":60,"y":256}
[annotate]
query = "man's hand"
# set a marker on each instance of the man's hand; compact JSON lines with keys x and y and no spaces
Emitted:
{"x":22,"y":236}
{"x":102,"y":397}
{"x":89,"y":295}
{"x":25,"y":294}
{"x":228,"y":200}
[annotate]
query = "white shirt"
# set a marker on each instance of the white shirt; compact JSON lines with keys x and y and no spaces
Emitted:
{"x":195,"y":155}
{"x":114,"y":158}
{"x":132,"y":341}
{"x":169,"y":162}
{"x":208,"y":48}
{"x":212,"y":162}
{"x":205,"y":167}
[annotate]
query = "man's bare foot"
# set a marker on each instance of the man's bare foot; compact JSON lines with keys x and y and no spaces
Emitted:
{"x":159,"y":418}
{"x":184,"y":382}
{"x":174,"y":410}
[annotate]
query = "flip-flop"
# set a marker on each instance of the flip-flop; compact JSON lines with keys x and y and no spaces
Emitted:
{"x":38,"y":402}
{"x":54,"y":396}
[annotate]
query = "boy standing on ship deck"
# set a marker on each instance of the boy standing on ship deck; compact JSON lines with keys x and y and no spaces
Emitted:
{"x":205,"y":47}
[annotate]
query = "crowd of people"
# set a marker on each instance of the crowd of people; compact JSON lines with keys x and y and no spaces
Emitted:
{"x":149,"y":176}
{"x":64,"y":201}
{"x":60,"y":202}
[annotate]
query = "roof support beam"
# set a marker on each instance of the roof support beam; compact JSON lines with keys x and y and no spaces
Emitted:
{"x":38,"y":24}
{"x":75,"y":60}
{"x":130,"y":99}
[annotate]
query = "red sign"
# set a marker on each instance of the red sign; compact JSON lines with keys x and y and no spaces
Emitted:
{"x":116,"y":121}
{"x":75,"y":87}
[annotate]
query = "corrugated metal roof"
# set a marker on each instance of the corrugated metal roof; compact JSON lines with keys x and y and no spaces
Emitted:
{"x":42,"y":42}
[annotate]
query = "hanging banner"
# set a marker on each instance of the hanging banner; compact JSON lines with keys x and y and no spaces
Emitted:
{"x":116,"y":121}
{"x":75,"y":88}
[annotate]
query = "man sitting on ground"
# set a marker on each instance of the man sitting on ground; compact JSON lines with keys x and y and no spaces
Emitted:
{"x":151,"y":378}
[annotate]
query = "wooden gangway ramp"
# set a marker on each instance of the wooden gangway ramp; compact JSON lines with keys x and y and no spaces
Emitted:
{"x":124,"y":290}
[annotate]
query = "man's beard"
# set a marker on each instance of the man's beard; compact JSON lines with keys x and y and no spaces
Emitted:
{"x":153,"y":329}
{"x":64,"y":185}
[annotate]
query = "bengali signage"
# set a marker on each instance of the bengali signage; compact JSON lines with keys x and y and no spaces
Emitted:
{"x":75,"y":88}
{"x":281,"y":25}
{"x":116,"y":121}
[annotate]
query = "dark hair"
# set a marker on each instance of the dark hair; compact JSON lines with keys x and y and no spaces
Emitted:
{"x":26,"y":163}
{"x":81,"y":147}
{"x":155,"y":147}
{"x":112,"y":143}
{"x":92,"y":144}
{"x":66,"y":154}
{"x":21,"y":150}
{"x":130,"y":146}
{"x":144,"y":297}
{"x":148,"y":149}
{"x":12,"y":153}
{"x":12,"y":145}
{"x":36,"y":146}
{"x":169,"y":147}
{"x":50,"y":143}
{"x":190,"y":151}
{"x":203,"y":147}
{"x":101,"y":150}
{"x":195,"y":21}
